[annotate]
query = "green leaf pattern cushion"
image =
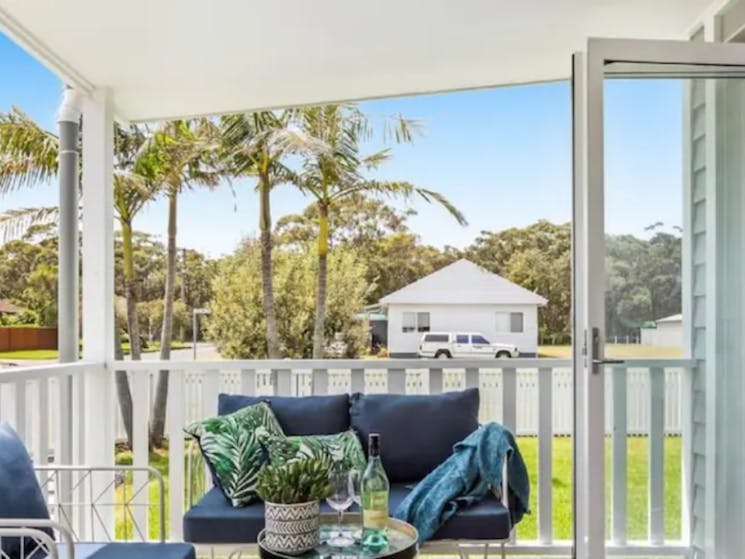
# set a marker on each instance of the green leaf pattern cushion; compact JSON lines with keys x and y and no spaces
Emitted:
{"x":342,"y":448}
{"x":231,"y":444}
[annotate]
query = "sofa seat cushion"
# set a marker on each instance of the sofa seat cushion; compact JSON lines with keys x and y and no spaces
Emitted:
{"x":213,"y":521}
{"x":126,"y":550}
{"x":417,"y":432}
{"x":307,"y":415}
{"x":20,"y":494}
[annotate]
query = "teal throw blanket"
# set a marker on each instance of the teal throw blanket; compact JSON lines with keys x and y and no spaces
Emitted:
{"x":466,"y":478}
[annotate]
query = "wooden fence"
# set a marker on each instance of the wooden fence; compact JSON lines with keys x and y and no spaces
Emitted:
{"x":14,"y":338}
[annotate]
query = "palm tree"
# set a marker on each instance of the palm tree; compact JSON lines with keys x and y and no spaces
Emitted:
{"x":335,"y":174}
{"x":28,"y":156}
{"x":257,"y":144}
{"x":182,"y":154}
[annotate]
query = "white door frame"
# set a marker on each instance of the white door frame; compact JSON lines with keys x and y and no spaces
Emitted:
{"x":589,"y":72}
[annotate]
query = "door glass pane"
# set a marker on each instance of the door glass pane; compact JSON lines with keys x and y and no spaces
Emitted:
{"x":675,"y":271}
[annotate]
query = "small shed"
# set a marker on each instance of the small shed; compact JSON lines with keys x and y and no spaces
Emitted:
{"x":462,"y":297}
{"x":666,"y":332}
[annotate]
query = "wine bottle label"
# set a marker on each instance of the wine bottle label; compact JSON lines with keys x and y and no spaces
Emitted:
{"x":375,"y":519}
{"x":375,"y":510}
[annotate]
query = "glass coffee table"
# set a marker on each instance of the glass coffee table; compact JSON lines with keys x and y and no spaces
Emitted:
{"x":402,"y":541}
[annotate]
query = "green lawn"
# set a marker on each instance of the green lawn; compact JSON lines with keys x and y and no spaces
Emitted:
{"x":562,"y":487}
{"x":616,"y":351}
{"x":51,"y":354}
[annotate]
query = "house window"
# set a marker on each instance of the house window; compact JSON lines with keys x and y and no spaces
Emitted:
{"x":415,"y":322}
{"x":510,"y":322}
{"x":422,"y":322}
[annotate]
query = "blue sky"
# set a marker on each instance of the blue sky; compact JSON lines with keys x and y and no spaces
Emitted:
{"x":503,"y":156}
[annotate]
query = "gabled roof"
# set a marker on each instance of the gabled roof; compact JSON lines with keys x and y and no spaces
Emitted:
{"x":465,"y":283}
{"x":174,"y":58}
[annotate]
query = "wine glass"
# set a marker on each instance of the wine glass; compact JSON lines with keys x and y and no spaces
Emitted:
{"x":340,"y":499}
{"x":356,"y":477}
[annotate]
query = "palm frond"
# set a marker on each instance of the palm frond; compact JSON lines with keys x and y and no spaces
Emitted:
{"x":15,"y":223}
{"x":404,"y":190}
{"x":28,"y":153}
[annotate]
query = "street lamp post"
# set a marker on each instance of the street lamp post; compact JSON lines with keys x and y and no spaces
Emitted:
{"x":194,"y":314}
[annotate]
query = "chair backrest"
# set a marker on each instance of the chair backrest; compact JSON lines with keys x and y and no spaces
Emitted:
{"x":20,"y":494}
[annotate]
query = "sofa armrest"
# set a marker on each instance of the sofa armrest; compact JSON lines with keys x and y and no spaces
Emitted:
{"x":63,"y":480}
{"x":32,"y":528}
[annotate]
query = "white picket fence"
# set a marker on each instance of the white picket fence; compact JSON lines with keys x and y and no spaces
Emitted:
{"x":417,"y":382}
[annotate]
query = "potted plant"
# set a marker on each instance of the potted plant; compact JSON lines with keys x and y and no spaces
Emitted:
{"x":291,"y":493}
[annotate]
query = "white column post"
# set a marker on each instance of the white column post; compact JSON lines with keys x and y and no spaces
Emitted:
{"x":98,"y":281}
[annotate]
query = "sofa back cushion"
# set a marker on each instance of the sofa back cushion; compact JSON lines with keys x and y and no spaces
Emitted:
{"x":20,"y":494}
{"x":307,"y":415}
{"x":417,"y":432}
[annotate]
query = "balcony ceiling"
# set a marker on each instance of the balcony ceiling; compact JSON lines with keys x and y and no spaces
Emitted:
{"x":175,"y":58}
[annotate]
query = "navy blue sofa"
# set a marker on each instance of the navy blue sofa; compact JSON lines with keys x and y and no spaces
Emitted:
{"x":417,"y":434}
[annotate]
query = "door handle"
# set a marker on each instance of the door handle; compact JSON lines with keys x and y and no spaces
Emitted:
{"x":597,"y":362}
{"x":608,"y":361}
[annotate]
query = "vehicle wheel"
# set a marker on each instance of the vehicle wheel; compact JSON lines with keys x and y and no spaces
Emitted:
{"x":503,"y":355}
{"x":442,"y":354}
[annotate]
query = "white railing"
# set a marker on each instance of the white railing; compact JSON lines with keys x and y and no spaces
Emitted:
{"x":530,"y":396}
{"x":417,"y":382}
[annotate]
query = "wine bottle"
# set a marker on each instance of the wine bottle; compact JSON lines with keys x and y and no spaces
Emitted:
{"x":375,"y":489}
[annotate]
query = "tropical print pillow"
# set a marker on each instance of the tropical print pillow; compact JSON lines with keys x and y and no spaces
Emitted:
{"x":231,"y":446}
{"x":342,"y":449}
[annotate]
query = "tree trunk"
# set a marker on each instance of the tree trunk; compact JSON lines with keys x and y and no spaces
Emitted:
{"x":133,"y":326}
{"x":123,"y":392}
{"x":265,"y":226}
{"x":319,"y":337}
{"x":158,"y":415}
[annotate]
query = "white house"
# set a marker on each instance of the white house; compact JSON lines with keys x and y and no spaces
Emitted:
{"x":462,"y":297}
{"x":667,"y":333}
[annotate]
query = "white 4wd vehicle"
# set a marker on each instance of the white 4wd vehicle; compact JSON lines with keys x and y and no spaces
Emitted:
{"x":471,"y":345}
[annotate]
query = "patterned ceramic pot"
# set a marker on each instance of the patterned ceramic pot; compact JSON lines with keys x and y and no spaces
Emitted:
{"x":292,"y":528}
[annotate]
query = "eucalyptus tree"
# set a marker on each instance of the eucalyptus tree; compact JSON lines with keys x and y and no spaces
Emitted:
{"x":257,"y":145}
{"x":337,"y":173}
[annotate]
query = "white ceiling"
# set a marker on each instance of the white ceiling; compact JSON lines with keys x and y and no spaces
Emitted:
{"x":173,"y":58}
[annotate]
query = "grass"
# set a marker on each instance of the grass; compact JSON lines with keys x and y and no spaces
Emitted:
{"x":615,"y":351}
{"x":30,"y":354}
{"x":52,"y":354}
{"x":637,"y":476}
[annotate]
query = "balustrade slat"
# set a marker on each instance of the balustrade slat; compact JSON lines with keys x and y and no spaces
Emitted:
{"x":282,"y":380}
{"x":435,"y":381}
{"x":545,"y":442}
{"x":210,"y":392}
{"x":509,"y":398}
{"x":41,"y":449}
{"x":656,"y":455}
{"x":41,"y":438}
{"x":472,"y":377}
{"x":320,"y":381}
{"x":248,"y":382}
{"x":397,"y":381}
{"x":175,"y":454}
{"x":140,"y":451}
{"x":619,"y":493}
{"x":19,"y":409}
{"x":357,"y":382}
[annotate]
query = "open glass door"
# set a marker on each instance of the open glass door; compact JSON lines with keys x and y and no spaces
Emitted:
{"x":659,"y":308}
